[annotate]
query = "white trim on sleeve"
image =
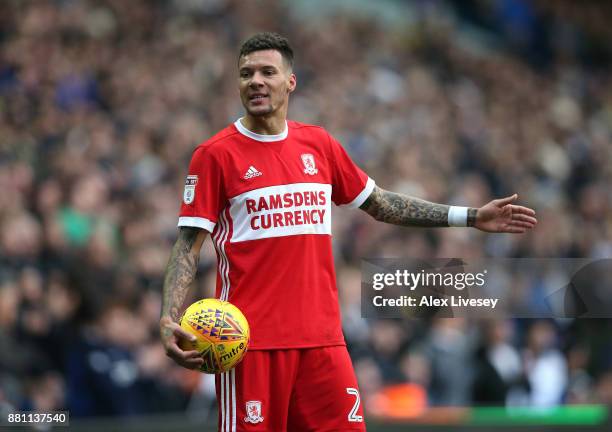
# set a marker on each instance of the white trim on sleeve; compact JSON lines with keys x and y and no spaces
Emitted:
{"x":365,"y":193}
{"x":197,"y":222}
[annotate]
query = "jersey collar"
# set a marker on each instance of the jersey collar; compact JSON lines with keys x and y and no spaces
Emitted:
{"x":263,"y":138}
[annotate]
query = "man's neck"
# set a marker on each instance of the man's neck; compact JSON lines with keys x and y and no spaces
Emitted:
{"x":264,"y":125}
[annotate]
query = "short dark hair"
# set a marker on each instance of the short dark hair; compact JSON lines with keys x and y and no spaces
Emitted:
{"x":266,"y":41}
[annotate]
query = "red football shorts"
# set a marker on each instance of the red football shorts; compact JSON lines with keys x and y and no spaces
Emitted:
{"x":291,"y":390}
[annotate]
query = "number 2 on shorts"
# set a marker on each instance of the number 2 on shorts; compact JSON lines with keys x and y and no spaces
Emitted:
{"x":352,"y":416}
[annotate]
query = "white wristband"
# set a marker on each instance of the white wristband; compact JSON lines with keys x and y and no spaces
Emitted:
{"x":457,"y":216}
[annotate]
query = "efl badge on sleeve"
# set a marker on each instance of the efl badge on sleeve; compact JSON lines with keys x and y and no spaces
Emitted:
{"x":309,"y":164}
{"x":253,"y":411}
{"x":190,"y":185}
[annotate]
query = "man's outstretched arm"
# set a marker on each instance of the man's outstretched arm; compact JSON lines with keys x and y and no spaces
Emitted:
{"x":496,"y":216}
{"x":180,"y":272}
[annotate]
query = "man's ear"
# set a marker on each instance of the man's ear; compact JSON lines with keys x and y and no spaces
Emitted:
{"x":292,"y":83}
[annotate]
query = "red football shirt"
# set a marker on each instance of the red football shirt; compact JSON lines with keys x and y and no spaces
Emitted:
{"x":266,"y":199}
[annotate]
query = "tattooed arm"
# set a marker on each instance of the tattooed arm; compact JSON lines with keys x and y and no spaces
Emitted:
{"x":180,"y":272}
{"x":496,"y":216}
{"x":398,"y":209}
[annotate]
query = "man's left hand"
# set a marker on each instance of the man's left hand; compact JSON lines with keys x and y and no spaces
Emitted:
{"x":501,"y":216}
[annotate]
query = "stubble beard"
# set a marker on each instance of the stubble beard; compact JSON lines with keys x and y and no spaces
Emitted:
{"x":261,"y":113}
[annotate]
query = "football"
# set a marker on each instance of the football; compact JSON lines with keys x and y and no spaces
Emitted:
{"x":221,"y":331}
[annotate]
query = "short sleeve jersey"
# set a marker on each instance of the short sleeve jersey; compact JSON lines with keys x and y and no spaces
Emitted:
{"x":266,"y":199}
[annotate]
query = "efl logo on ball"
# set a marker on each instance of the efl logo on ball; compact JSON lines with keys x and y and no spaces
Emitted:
{"x":222,"y":334}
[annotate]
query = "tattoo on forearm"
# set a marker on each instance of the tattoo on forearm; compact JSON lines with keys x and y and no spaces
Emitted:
{"x":471,"y":217}
{"x":181,"y":269}
{"x":397,"y":209}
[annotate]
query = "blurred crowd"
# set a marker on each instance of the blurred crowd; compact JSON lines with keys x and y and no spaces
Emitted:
{"x":103,"y":101}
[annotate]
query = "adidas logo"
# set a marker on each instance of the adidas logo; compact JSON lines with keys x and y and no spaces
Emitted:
{"x":251,"y":172}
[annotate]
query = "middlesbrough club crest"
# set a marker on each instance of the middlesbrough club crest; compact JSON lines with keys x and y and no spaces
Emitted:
{"x":253,"y":411}
{"x":309,"y":164}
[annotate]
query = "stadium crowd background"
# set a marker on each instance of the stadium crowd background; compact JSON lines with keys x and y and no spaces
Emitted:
{"x":103,"y":101}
